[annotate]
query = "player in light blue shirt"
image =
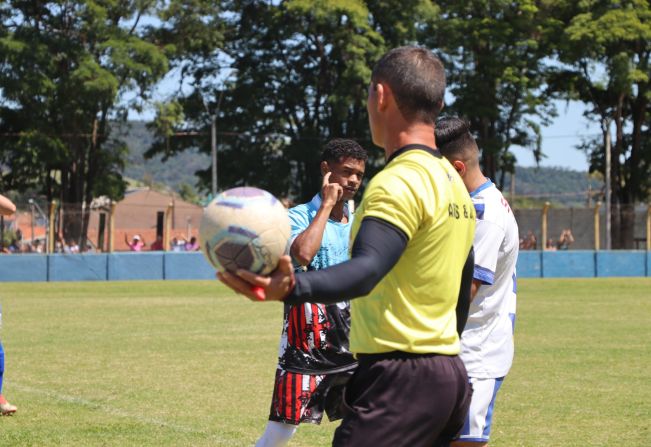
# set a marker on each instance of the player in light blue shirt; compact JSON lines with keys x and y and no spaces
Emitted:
{"x":314,"y":361}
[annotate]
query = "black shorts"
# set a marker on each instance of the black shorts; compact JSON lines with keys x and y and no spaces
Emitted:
{"x":400,"y":399}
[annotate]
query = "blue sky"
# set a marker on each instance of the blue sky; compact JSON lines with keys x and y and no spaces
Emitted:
{"x":560,"y":139}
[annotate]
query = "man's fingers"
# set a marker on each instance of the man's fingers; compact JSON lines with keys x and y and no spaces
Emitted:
{"x":326,"y":179}
{"x":285,"y":265}
{"x":252,"y":278}
{"x":237,"y":284}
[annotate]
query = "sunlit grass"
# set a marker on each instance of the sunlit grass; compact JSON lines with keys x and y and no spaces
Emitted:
{"x":190,"y":364}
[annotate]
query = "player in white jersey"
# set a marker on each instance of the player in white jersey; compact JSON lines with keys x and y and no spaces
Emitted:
{"x":487,"y":340}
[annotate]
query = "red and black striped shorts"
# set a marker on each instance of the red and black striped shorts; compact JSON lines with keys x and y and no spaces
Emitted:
{"x":305,"y":397}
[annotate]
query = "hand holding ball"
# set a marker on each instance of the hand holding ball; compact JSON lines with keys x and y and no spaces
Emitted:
{"x":244,"y":228}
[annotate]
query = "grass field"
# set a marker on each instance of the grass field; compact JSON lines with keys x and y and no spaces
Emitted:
{"x":189,"y":364}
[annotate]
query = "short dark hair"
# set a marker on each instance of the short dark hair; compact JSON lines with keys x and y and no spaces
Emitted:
{"x":416,"y":78}
{"x":453,"y":137}
{"x":339,"y":148}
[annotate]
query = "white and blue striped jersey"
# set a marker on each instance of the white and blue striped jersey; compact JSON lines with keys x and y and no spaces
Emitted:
{"x":487,"y":341}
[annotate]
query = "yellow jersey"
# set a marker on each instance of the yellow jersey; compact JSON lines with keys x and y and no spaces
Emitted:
{"x":412,"y":309}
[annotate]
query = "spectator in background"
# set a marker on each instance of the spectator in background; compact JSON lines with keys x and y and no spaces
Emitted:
{"x":192,"y":244}
{"x":37,"y":247}
{"x":551,"y":246}
{"x":136,"y":243}
{"x":13,"y":246}
{"x":529,"y":242}
{"x":58,"y":245}
{"x":157,"y":245}
{"x":565,"y":240}
{"x":73,"y":247}
{"x":178,"y":243}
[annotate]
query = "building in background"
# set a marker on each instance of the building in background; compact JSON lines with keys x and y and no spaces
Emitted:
{"x":142,"y":212}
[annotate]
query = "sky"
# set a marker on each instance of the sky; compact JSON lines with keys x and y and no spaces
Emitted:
{"x":561,"y":137}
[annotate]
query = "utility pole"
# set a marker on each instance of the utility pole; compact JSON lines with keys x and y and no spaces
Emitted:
{"x":213,"y":153}
{"x":608,"y":199}
{"x":213,"y":144}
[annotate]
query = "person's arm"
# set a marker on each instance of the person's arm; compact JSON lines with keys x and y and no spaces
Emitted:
{"x":467,"y":291}
{"x":570,"y":237}
{"x":377,"y":248}
{"x":307,"y":244}
{"x":474,"y":288}
{"x":7,"y":207}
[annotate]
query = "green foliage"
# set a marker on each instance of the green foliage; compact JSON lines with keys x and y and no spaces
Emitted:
{"x":494,"y":52}
{"x":66,"y":69}
{"x":292,"y":76}
{"x":188,"y":193}
{"x":562,"y":187}
{"x":283,"y":77}
{"x":534,"y":186}
{"x":301,"y":76}
{"x":605,"y":49}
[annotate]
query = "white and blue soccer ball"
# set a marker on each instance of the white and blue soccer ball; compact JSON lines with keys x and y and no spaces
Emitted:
{"x":245,"y":228}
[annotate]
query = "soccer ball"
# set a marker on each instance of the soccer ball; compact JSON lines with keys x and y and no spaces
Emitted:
{"x":245,"y":228}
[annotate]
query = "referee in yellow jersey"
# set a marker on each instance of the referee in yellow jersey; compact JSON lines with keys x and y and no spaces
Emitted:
{"x":412,"y":235}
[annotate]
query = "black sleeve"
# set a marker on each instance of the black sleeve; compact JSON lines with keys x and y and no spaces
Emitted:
{"x":376,"y":249}
{"x":463,"y":305}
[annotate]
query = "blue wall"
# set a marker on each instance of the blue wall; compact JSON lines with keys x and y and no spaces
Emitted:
{"x":583,"y":264}
{"x":171,"y":265}
{"x":23,"y":267}
{"x":103,"y":267}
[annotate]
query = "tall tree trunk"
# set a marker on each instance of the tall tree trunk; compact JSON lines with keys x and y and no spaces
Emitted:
{"x":622,"y":226}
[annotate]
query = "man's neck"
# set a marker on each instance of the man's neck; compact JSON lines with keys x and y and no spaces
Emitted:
{"x":473,"y":180}
{"x":337,"y":212}
{"x":419,"y":133}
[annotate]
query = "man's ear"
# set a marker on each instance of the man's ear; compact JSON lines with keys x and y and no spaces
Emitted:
{"x":325,"y":168}
{"x":382,"y":92}
{"x":460,"y":167}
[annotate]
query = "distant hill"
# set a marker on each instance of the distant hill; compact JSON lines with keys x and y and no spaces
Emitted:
{"x":172,"y":173}
{"x":533,"y":186}
{"x":560,"y":186}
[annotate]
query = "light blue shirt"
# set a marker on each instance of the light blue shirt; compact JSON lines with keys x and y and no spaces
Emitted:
{"x":334,"y":245}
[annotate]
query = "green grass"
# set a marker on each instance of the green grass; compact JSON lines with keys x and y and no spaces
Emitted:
{"x":189,"y":364}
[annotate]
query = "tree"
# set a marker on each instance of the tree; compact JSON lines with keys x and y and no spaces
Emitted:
{"x":68,"y":71}
{"x":292,"y":75}
{"x":494,"y":51}
{"x":605,"y":48}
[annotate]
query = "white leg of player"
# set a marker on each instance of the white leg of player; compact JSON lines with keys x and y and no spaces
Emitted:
{"x":276,"y":434}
